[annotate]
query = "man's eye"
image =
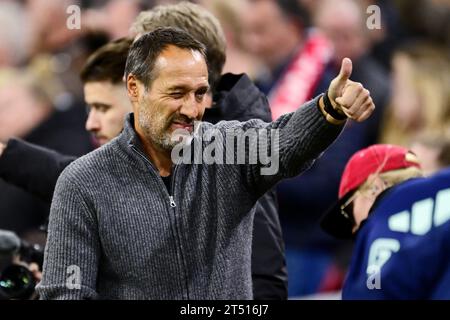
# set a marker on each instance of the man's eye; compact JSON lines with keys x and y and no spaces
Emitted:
{"x":177,"y":95}
{"x":102,"y":109}
{"x":200,"y":95}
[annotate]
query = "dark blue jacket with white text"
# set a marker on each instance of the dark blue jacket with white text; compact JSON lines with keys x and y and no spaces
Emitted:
{"x":402,"y":250}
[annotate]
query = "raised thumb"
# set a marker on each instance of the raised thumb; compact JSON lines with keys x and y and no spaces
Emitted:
{"x":346,"y":70}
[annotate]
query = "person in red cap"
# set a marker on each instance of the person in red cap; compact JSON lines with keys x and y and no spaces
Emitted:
{"x":388,"y":209}
{"x":368,"y":173}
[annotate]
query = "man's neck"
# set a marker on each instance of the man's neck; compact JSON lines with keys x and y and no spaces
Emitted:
{"x":160,"y":158}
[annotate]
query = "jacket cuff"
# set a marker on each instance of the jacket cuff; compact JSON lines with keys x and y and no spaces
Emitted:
{"x":328,"y":117}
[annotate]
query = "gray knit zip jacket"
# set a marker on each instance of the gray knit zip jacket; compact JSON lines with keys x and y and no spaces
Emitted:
{"x":116,"y":232}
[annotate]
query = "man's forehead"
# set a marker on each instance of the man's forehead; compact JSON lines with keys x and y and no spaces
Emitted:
{"x":172,"y":52}
{"x":179,"y":59}
{"x":98,"y":85}
{"x":102,"y":86}
{"x":176,"y":65}
{"x":174,"y":81}
{"x":101,"y":90}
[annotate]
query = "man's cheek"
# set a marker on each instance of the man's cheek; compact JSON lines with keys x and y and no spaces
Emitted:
{"x":207,"y":103}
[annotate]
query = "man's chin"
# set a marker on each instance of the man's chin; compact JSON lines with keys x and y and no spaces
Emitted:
{"x":169,"y":139}
{"x":180,"y":136}
{"x":100,"y":141}
{"x":169,"y":143}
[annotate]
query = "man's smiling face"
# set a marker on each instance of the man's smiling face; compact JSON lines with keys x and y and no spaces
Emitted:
{"x":175,"y":98}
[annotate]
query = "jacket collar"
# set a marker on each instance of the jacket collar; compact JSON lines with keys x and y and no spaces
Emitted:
{"x":130,"y":145}
{"x":129,"y":136}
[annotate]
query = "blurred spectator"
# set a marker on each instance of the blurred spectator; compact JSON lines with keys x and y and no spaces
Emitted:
{"x":350,"y":38}
{"x":404,"y":20}
{"x":429,"y":19}
{"x":23,"y":103}
{"x":310,"y":5}
{"x":421,"y":93}
{"x":14,"y":34}
{"x":62,"y":68}
{"x":349,"y":34}
{"x":27,"y":111}
{"x":399,"y":222}
{"x":385,"y":38}
{"x":277,"y":33}
{"x":108,"y":103}
{"x":238,"y":60}
{"x":433,"y":151}
{"x":56,"y":50}
{"x":214,"y":40}
{"x":115,"y":16}
{"x":48,"y":25}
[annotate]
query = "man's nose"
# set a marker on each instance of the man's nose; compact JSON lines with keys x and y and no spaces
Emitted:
{"x":191,"y":107}
{"x":92,"y":122}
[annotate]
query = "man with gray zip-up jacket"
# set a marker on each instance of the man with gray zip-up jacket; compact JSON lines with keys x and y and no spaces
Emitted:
{"x":128,"y":223}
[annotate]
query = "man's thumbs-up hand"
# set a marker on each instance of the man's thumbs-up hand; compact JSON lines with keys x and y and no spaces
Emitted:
{"x":348,"y":97}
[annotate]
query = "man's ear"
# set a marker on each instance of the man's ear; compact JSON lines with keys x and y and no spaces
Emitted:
{"x":133,"y":88}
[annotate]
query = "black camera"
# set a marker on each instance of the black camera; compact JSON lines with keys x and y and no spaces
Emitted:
{"x":16,"y":280}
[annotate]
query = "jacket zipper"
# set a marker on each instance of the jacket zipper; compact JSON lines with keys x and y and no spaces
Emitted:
{"x":172,"y":202}
{"x":179,"y":235}
{"x":172,"y":205}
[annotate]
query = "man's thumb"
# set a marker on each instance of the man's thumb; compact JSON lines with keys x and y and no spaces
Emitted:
{"x":346,"y":70}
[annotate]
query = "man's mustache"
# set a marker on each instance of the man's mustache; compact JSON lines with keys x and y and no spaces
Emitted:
{"x":181,"y":119}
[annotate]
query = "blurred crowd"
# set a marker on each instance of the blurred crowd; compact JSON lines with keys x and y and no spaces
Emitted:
{"x":292,"y":49}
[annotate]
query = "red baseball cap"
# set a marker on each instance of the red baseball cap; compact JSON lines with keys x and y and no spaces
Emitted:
{"x":377,"y":158}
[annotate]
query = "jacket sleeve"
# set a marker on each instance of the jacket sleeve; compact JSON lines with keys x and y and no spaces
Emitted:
{"x":32,"y":168}
{"x":289,"y":145}
{"x":73,"y":247}
{"x":239,"y":99}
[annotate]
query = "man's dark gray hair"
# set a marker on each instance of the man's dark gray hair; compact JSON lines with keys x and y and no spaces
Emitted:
{"x":146,"y":49}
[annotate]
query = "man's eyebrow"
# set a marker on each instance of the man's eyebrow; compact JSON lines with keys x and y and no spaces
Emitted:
{"x":178,"y":87}
{"x":98,"y":105}
{"x":184,"y":87}
{"x":205,"y":87}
